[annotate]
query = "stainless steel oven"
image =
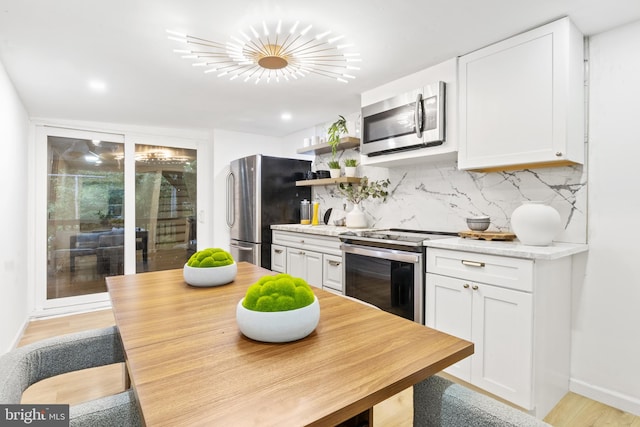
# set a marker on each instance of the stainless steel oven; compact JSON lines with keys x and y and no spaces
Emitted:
{"x":386,"y":268}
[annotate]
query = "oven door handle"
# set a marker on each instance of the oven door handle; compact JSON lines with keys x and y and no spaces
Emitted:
{"x":390,"y":254}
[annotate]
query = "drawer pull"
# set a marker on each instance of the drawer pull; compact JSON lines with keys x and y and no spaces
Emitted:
{"x":473,"y":263}
{"x":278,"y":251}
{"x":334,"y":263}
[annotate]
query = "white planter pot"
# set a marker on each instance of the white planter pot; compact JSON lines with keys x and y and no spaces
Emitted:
{"x":536,"y":223}
{"x":334,"y":173}
{"x":209,"y":276}
{"x":278,"y":326}
{"x":356,"y":218}
{"x":350,"y":170}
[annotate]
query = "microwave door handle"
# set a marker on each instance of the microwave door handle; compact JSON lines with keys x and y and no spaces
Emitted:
{"x":418,"y":113}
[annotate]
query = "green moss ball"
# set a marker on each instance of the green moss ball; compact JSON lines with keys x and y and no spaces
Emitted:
{"x":210,"y":257}
{"x":281,"y":292}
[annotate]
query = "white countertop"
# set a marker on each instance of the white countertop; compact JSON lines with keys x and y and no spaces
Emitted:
{"x":324,"y":230}
{"x":512,"y":249}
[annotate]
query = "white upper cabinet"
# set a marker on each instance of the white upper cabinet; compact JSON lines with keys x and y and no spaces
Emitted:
{"x":521,"y":101}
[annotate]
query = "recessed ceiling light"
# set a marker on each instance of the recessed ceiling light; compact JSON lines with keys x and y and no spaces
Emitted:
{"x":97,"y":85}
{"x":286,"y":116}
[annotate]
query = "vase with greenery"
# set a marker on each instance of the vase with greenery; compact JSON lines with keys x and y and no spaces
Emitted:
{"x":337,"y":128}
{"x":356,"y":193}
{"x":350,"y":166}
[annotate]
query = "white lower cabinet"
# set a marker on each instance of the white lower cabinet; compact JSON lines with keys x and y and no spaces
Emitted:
{"x":305,"y":264}
{"x":278,"y":258}
{"x":517,"y":314}
{"x":497,"y":321}
{"x":315,"y":258}
{"x":332,"y":272}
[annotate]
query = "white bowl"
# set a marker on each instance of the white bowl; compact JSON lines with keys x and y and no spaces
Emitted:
{"x":478,"y":223}
{"x":209,"y":276}
{"x":278,"y":326}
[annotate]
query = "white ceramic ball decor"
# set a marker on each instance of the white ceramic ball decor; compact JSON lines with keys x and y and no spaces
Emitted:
{"x":536,"y":223}
{"x":209,"y":276}
{"x":278,"y":326}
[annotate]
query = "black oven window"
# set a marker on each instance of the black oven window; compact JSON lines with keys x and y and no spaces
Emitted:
{"x":386,"y":284}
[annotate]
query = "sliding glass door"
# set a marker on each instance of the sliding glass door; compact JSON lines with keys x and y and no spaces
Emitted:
{"x":166,"y":193}
{"x":85,"y":215}
{"x":112,"y":207}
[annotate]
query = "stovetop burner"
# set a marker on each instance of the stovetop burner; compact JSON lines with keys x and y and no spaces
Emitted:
{"x":394,"y":236}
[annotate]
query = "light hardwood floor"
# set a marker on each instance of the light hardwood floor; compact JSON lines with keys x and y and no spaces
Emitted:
{"x":572,"y":411}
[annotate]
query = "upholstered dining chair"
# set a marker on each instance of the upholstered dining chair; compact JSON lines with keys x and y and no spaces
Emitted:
{"x":29,"y":364}
{"x":438,"y":402}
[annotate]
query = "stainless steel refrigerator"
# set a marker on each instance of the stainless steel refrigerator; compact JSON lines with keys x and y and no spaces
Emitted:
{"x":261,"y":191}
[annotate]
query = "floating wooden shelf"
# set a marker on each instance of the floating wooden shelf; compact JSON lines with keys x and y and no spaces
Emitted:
{"x":329,"y":181}
{"x":345,"y":143}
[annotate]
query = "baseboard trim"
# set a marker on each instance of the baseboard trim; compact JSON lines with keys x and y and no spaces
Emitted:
{"x":18,"y":337}
{"x":608,"y":397}
{"x":50,"y":313}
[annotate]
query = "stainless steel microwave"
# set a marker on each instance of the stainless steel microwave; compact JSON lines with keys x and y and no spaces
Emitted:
{"x":412,"y":120}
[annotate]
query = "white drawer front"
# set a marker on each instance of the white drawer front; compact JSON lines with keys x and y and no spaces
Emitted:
{"x":513,"y":273}
{"x":312,"y":242}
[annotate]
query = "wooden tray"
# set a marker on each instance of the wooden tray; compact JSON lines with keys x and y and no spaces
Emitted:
{"x":487,"y":235}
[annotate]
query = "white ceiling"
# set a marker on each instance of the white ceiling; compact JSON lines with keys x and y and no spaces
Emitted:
{"x":52,"y":49}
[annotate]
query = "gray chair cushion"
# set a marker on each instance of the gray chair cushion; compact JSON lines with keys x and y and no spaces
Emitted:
{"x":119,"y":410}
{"x":29,"y":364}
{"x":440,"y":402}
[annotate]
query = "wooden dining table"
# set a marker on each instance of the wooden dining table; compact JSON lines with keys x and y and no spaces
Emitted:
{"x":190,"y":365}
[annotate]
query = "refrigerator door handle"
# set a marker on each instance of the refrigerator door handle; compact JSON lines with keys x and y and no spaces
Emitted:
{"x":241,"y":248}
{"x":230,"y":198}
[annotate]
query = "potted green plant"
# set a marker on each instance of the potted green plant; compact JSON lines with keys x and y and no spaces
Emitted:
{"x":350,"y":166}
{"x":210,"y":267}
{"x":278,"y":308}
{"x":337,"y":128}
{"x":356,"y":193}
{"x":334,"y":168}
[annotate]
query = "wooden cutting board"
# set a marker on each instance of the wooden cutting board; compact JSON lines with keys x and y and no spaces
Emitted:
{"x":487,"y":235}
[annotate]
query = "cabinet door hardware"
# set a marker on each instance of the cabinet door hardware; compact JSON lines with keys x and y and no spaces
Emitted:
{"x":278,"y":251}
{"x":474,"y":287}
{"x":334,"y":263}
{"x":472,"y":263}
{"x":466,"y":286}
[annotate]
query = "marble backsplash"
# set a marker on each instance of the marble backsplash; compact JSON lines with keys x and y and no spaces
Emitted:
{"x":438,"y":196}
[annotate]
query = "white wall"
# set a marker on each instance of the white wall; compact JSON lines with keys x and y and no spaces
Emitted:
{"x":606,"y":306}
{"x":14,"y":300}
{"x":228,"y":146}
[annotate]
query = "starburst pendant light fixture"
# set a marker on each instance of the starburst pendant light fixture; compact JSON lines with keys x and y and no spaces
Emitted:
{"x":272,"y":54}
